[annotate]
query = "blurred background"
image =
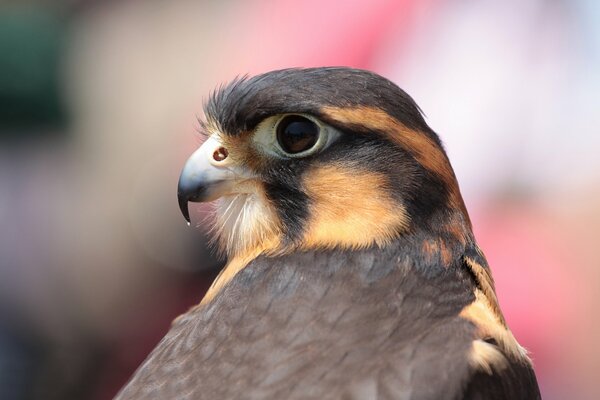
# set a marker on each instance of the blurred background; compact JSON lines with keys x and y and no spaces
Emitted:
{"x":99,"y":103}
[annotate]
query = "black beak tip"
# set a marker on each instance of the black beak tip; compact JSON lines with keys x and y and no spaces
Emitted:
{"x":183,"y":206}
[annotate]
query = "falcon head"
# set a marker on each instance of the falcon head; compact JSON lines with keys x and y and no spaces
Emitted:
{"x":322,"y":158}
{"x":333,"y":172}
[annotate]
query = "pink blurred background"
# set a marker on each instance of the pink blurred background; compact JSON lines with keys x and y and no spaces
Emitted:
{"x":98,"y":108}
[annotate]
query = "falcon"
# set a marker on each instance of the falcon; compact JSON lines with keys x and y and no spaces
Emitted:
{"x":353,"y":271}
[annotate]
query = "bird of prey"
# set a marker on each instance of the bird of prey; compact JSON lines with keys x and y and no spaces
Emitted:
{"x":352,"y":272}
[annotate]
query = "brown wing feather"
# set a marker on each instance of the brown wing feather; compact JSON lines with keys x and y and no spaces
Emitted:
{"x":327,"y":325}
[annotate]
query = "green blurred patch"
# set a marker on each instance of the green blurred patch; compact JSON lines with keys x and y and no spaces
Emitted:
{"x":31,"y":47}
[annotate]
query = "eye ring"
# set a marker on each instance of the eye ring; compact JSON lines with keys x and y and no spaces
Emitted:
{"x":265,"y":137}
{"x":297,"y":134}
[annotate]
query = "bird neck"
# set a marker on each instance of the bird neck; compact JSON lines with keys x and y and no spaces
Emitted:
{"x":439,"y":242}
{"x":429,"y":249}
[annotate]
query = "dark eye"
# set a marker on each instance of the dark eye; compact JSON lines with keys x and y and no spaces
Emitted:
{"x":296,"y":134}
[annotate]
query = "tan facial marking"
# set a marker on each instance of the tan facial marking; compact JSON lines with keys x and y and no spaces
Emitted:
{"x":420,"y":146}
{"x":350,"y":209}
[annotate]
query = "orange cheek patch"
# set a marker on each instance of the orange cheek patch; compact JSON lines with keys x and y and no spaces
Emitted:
{"x":350,"y":209}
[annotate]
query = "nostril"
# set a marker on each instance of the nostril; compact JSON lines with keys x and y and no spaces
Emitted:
{"x":220,"y":154}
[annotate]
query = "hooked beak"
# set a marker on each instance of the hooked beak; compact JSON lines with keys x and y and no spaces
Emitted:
{"x":206,"y":175}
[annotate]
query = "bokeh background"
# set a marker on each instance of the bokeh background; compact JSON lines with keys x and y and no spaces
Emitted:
{"x":99,"y":103}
